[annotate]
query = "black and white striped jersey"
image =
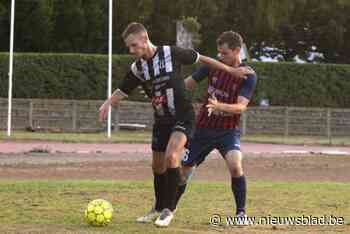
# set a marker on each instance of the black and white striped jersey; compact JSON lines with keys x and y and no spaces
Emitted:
{"x":161,"y":77}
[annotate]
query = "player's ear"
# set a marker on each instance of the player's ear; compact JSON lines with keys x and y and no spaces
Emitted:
{"x":144,"y":37}
{"x":237,"y":50}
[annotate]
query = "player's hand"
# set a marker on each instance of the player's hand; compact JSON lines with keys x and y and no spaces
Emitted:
{"x":241,"y":72}
{"x":212,"y":104}
{"x":103,"y":111}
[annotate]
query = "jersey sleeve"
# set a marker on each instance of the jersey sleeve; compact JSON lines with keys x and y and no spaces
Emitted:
{"x":201,"y":73}
{"x":248,"y":86}
{"x":185,"y":56}
{"x":129,"y":83}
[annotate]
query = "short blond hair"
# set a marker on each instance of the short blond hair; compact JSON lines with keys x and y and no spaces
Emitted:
{"x":133,"y":28}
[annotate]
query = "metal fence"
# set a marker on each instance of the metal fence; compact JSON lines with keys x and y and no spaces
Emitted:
{"x":82,"y":116}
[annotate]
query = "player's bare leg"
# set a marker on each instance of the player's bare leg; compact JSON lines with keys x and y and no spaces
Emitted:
{"x":233,"y":160}
{"x":160,"y":186}
{"x":173,"y":154}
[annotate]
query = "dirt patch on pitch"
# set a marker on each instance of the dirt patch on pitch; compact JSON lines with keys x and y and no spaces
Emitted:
{"x":136,"y":166}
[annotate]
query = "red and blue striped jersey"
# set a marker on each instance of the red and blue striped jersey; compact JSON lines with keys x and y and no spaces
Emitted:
{"x":226,"y":89}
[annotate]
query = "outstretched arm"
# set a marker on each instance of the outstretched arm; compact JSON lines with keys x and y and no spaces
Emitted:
{"x":240,"y":72}
{"x":116,"y":97}
{"x":189,"y":56}
{"x":129,"y":83}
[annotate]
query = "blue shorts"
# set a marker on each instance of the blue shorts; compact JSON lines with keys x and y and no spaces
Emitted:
{"x":205,"y":140}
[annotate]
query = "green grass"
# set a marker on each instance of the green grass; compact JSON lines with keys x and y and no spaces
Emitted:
{"x":145,"y":137}
{"x":298,"y":140}
{"x":57,"y":206}
{"x":117,"y":137}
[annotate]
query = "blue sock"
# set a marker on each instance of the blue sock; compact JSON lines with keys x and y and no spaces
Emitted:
{"x":180,"y":190}
{"x":239,"y":189}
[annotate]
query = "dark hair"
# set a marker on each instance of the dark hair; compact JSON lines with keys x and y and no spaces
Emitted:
{"x":133,"y":28}
{"x":231,"y":38}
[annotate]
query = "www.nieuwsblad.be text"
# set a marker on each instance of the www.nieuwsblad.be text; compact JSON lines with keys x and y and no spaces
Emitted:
{"x":303,"y":220}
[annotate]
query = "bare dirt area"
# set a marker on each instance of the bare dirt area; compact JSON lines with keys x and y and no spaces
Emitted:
{"x":137,"y":166}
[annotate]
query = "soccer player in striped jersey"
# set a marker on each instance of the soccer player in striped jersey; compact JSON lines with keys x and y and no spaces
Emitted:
{"x":217,"y":125}
{"x":158,"y":70}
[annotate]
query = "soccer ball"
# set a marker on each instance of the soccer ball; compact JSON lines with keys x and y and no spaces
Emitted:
{"x":98,"y":213}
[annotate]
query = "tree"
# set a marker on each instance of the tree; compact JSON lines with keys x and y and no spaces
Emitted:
{"x":95,"y":15}
{"x":69,"y":26}
{"x":33,"y":25}
{"x":272,"y":27}
{"x":4,"y":25}
{"x":126,"y":11}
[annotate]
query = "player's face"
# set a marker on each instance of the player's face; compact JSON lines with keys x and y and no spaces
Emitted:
{"x":227,"y":55}
{"x":137,"y":44}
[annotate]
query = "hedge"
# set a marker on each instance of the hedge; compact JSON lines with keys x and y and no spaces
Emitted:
{"x":84,"y":76}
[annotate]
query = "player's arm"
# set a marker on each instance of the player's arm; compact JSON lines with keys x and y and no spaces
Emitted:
{"x":239,"y":72}
{"x":243,"y":99}
{"x":116,"y":97}
{"x":197,"y":76}
{"x":237,"y":108}
{"x":129,"y":83}
{"x":190,"y":56}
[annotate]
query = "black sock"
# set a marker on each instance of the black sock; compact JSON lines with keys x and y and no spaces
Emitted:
{"x":160,"y":186}
{"x":239,"y":188}
{"x":173,"y":181}
{"x":180,"y":190}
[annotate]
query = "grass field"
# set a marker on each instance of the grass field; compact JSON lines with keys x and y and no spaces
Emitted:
{"x":145,"y":137}
{"x":57,"y":206}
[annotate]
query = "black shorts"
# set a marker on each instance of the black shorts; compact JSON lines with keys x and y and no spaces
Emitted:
{"x":162,"y":132}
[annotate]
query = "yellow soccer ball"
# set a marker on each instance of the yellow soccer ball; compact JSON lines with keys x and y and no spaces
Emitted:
{"x":98,"y":213}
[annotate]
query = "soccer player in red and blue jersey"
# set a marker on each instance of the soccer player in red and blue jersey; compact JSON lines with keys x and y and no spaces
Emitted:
{"x":217,"y":124}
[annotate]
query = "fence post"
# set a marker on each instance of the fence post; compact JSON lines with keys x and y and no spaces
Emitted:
{"x":329,"y":129}
{"x":74,"y":115}
{"x":286,"y":123}
{"x":116,"y":118}
{"x":30,"y":114}
{"x":244,"y":123}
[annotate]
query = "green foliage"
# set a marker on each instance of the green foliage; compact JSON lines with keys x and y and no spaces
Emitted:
{"x":307,"y":85}
{"x":192,"y":25}
{"x":80,"y":26}
{"x":4,"y":26}
{"x":82,"y":76}
{"x":33,"y":25}
{"x":63,"y":76}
